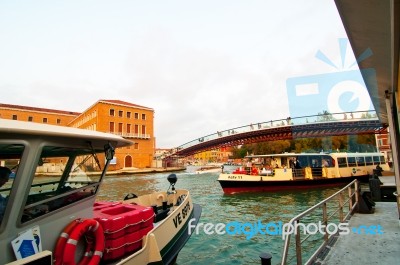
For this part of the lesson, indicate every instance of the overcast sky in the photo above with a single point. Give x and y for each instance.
(203, 66)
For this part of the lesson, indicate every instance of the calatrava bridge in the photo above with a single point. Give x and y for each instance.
(345, 123)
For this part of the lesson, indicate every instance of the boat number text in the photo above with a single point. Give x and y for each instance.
(234, 177)
(178, 219)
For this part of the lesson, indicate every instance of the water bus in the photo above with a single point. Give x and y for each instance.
(301, 171)
(49, 213)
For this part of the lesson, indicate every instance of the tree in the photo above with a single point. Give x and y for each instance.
(325, 116)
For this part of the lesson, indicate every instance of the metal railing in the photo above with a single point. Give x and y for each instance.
(289, 121)
(352, 190)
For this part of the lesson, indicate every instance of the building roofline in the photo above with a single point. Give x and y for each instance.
(35, 109)
(111, 102)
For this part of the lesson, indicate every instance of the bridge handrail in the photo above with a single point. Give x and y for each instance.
(320, 118)
(352, 200)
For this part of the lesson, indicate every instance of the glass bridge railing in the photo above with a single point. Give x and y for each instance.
(325, 117)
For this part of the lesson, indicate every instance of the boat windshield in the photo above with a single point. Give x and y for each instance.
(60, 177)
(63, 176)
(10, 155)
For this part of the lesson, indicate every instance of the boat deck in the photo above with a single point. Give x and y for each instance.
(368, 248)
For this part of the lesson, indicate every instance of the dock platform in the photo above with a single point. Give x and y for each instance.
(365, 247)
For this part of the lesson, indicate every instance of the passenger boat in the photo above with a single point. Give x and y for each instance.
(49, 213)
(209, 169)
(301, 171)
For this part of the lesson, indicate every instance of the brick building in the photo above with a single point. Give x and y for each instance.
(128, 120)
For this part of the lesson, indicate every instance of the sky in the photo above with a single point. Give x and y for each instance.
(203, 66)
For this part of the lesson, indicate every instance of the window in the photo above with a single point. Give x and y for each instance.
(136, 129)
(376, 160)
(351, 161)
(128, 114)
(120, 113)
(342, 162)
(111, 127)
(54, 192)
(58, 121)
(44, 120)
(112, 112)
(128, 128)
(360, 161)
(14, 117)
(136, 116)
(143, 116)
(30, 118)
(136, 146)
(143, 129)
(120, 127)
(368, 160)
(10, 156)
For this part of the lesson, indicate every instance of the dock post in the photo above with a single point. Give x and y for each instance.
(265, 258)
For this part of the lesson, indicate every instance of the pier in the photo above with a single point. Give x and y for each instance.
(368, 248)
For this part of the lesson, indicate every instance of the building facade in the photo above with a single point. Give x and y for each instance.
(39, 115)
(128, 120)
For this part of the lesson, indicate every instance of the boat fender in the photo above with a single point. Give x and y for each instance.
(87, 227)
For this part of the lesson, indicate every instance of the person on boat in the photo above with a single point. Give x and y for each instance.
(4, 177)
(254, 170)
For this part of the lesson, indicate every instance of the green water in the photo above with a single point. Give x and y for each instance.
(220, 208)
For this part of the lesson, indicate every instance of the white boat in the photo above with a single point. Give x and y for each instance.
(209, 169)
(301, 171)
(51, 216)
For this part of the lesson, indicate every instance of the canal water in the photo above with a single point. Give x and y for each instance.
(228, 248)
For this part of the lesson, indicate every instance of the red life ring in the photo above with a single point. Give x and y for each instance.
(62, 240)
(68, 245)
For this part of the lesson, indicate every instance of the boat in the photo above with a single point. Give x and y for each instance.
(209, 169)
(49, 213)
(287, 171)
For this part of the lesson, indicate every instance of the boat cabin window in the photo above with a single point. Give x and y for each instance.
(351, 161)
(360, 161)
(315, 161)
(10, 155)
(377, 160)
(342, 162)
(368, 161)
(63, 176)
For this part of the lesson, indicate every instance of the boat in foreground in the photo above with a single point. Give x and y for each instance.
(49, 213)
(301, 171)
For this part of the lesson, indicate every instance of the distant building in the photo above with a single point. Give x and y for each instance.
(128, 120)
(220, 155)
(384, 146)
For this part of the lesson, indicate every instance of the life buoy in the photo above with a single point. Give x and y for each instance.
(62, 240)
(66, 245)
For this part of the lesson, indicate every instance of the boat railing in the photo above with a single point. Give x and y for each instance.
(345, 196)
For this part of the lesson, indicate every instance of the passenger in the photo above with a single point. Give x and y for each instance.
(4, 177)
(254, 170)
(264, 172)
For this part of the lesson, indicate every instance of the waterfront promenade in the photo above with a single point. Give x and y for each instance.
(367, 248)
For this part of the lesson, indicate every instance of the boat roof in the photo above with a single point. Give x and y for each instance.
(13, 127)
(312, 154)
